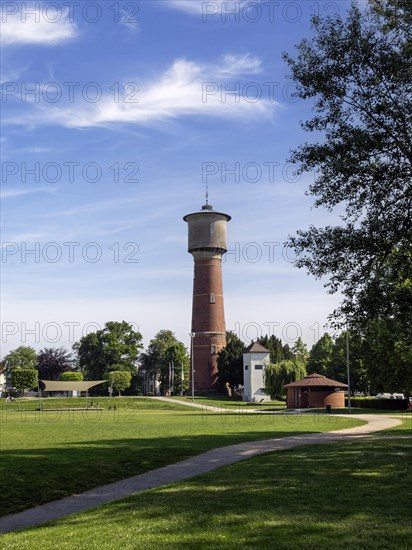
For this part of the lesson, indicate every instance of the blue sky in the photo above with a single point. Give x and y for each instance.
(115, 115)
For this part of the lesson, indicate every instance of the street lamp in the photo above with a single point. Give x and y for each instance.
(347, 366)
(192, 360)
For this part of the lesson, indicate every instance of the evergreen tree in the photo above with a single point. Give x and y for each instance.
(275, 346)
(300, 351)
(230, 361)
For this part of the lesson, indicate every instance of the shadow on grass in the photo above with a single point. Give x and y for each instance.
(338, 496)
(38, 475)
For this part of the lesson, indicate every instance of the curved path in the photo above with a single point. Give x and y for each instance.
(223, 408)
(185, 469)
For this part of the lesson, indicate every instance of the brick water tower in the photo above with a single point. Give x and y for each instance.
(207, 244)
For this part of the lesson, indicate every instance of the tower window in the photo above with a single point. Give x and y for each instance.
(246, 367)
(213, 350)
(258, 367)
(212, 298)
(212, 228)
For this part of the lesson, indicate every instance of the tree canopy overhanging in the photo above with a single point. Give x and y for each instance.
(358, 71)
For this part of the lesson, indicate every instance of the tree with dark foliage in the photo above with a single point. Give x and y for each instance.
(230, 361)
(52, 362)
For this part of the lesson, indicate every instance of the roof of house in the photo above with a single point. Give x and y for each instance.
(315, 380)
(256, 348)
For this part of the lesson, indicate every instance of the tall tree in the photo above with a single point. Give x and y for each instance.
(300, 351)
(288, 353)
(337, 369)
(275, 346)
(52, 362)
(230, 361)
(320, 355)
(115, 347)
(358, 72)
(178, 359)
(23, 357)
(164, 357)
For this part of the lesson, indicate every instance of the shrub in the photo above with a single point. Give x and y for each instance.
(378, 403)
(24, 378)
(71, 376)
(119, 379)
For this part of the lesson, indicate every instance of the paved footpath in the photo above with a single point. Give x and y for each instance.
(231, 408)
(224, 408)
(185, 469)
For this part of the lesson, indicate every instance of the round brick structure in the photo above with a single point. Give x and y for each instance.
(315, 391)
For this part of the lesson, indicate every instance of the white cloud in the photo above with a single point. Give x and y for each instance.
(186, 88)
(10, 193)
(207, 7)
(237, 64)
(39, 27)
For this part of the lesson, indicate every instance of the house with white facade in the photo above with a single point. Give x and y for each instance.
(255, 359)
(2, 380)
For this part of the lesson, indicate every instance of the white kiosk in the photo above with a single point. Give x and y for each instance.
(255, 359)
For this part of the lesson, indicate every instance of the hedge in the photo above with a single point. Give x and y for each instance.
(378, 403)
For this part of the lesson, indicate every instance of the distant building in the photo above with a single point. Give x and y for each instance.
(150, 384)
(2, 380)
(315, 391)
(255, 359)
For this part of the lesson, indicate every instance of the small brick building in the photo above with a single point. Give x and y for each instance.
(315, 391)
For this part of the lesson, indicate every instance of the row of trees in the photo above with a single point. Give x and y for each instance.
(327, 357)
(286, 364)
(24, 366)
(113, 353)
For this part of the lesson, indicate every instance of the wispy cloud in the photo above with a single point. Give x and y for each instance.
(129, 19)
(186, 88)
(233, 65)
(11, 193)
(201, 6)
(34, 28)
(9, 75)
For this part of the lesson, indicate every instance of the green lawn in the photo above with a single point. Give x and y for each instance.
(132, 404)
(338, 496)
(46, 455)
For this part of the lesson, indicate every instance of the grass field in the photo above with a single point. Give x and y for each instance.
(338, 496)
(46, 455)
